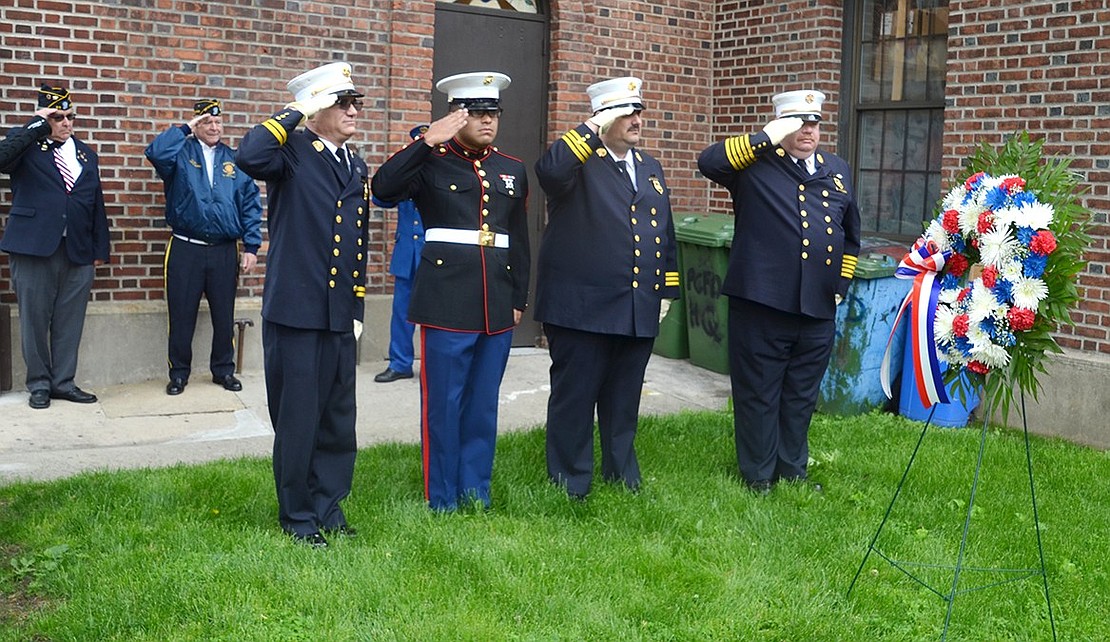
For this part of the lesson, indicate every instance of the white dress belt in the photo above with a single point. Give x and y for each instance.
(466, 237)
(189, 240)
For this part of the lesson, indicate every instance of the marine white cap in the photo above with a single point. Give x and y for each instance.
(474, 89)
(332, 78)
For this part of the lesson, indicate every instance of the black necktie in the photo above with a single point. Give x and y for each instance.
(623, 165)
(802, 166)
(341, 156)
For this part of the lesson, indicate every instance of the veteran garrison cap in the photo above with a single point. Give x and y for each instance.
(54, 97)
(210, 106)
(804, 104)
(475, 90)
(617, 92)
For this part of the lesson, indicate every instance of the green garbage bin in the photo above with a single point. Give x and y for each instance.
(703, 243)
(673, 340)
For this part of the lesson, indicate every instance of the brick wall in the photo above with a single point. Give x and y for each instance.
(709, 68)
(668, 45)
(763, 48)
(135, 68)
(1060, 92)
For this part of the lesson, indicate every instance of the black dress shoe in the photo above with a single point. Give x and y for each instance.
(229, 382)
(761, 486)
(39, 399)
(76, 395)
(312, 540)
(176, 386)
(342, 531)
(389, 374)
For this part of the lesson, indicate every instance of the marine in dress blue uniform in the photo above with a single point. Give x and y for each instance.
(57, 232)
(471, 287)
(317, 199)
(408, 241)
(210, 206)
(794, 252)
(607, 261)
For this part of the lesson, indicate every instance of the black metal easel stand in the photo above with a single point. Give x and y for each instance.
(955, 590)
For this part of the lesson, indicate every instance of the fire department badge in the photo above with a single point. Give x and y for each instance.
(229, 169)
(654, 180)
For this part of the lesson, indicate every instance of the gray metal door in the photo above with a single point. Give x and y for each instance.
(470, 39)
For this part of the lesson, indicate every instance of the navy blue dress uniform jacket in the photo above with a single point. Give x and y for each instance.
(19, 138)
(469, 288)
(227, 209)
(608, 255)
(797, 237)
(316, 262)
(39, 217)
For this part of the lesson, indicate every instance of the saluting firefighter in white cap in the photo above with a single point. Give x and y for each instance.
(794, 251)
(607, 263)
(472, 284)
(312, 306)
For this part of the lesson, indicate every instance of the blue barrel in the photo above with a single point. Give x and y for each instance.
(951, 415)
(851, 385)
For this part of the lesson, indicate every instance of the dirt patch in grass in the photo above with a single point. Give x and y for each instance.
(17, 603)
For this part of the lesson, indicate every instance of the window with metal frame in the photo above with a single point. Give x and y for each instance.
(899, 112)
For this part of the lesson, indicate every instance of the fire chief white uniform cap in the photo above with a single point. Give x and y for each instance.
(332, 78)
(618, 92)
(804, 104)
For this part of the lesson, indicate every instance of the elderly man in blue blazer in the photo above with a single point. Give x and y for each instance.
(57, 232)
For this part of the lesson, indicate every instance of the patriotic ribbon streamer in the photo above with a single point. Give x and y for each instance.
(922, 263)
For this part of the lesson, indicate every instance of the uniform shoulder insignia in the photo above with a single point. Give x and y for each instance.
(639, 158)
(601, 152)
(780, 152)
(317, 145)
(820, 158)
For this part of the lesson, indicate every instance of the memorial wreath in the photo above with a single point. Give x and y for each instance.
(995, 275)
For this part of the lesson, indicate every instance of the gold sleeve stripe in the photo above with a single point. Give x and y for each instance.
(848, 266)
(578, 145)
(671, 279)
(739, 152)
(277, 130)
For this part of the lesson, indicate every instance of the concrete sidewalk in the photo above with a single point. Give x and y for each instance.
(138, 425)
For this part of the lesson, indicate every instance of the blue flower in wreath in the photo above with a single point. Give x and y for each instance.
(958, 244)
(1033, 266)
(1024, 198)
(963, 346)
(1003, 291)
(1025, 235)
(949, 282)
(996, 198)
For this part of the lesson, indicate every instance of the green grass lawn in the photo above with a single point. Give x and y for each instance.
(194, 552)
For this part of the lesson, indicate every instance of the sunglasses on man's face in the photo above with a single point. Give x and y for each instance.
(347, 103)
(60, 117)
